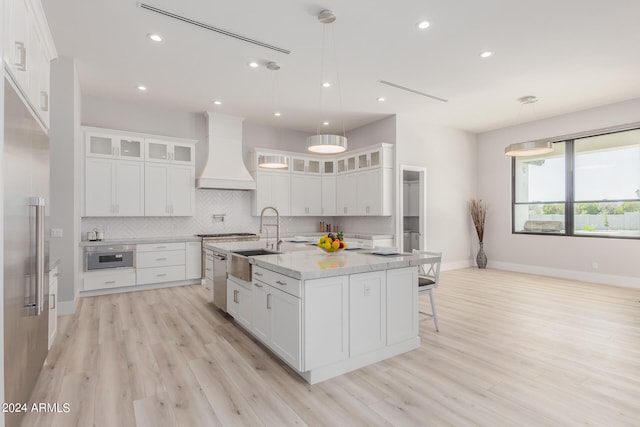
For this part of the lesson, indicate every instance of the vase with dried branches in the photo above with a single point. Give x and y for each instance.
(478, 210)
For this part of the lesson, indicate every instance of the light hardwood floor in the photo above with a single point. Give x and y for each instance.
(513, 350)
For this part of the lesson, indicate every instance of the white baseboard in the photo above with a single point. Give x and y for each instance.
(605, 279)
(457, 265)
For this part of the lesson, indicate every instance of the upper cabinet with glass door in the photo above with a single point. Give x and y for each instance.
(382, 156)
(169, 152)
(305, 164)
(112, 146)
(328, 166)
(347, 163)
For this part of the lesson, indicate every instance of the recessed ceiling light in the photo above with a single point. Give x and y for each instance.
(326, 84)
(486, 54)
(254, 64)
(423, 24)
(325, 123)
(142, 88)
(155, 37)
(277, 114)
(216, 102)
(381, 99)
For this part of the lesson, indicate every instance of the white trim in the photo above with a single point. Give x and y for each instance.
(605, 279)
(457, 265)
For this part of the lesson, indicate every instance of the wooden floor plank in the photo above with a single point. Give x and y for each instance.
(513, 349)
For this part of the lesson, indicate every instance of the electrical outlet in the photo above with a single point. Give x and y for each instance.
(594, 265)
(56, 232)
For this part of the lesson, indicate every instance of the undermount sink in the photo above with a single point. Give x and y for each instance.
(239, 266)
(256, 252)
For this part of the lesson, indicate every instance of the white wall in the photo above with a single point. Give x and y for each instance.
(450, 158)
(2, 223)
(569, 257)
(66, 149)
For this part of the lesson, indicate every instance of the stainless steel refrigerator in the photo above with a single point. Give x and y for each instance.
(26, 247)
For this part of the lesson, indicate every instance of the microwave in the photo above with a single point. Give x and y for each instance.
(109, 256)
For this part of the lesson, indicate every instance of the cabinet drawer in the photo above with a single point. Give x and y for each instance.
(279, 281)
(160, 274)
(160, 258)
(109, 279)
(148, 247)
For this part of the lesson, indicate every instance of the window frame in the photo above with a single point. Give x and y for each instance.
(569, 202)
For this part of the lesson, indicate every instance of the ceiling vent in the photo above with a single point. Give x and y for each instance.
(211, 28)
(408, 89)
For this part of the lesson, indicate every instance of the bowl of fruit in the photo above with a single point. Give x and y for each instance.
(332, 242)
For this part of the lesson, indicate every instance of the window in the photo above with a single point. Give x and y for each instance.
(587, 187)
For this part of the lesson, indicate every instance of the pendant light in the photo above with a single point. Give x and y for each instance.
(530, 148)
(273, 161)
(327, 143)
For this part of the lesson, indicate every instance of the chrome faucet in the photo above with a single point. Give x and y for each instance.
(276, 225)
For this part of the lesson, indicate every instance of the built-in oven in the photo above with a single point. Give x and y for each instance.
(109, 256)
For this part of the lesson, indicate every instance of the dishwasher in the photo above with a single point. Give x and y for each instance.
(219, 292)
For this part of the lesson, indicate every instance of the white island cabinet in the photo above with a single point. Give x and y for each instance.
(328, 315)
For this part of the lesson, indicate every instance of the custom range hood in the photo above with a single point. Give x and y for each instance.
(225, 167)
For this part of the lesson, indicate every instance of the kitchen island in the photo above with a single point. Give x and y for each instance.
(328, 314)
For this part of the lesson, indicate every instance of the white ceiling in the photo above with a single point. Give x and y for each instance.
(571, 54)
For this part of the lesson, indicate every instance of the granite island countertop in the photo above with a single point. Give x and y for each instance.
(315, 263)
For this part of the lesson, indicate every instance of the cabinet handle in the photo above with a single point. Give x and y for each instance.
(268, 301)
(281, 283)
(161, 259)
(257, 284)
(44, 101)
(161, 247)
(207, 269)
(257, 274)
(110, 282)
(235, 297)
(22, 54)
(53, 299)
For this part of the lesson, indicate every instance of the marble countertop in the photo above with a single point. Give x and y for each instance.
(315, 263)
(159, 239)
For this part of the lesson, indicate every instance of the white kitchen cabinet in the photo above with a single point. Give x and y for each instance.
(239, 304)
(326, 319)
(367, 312)
(114, 146)
(305, 164)
(108, 279)
(272, 189)
(329, 206)
(161, 151)
(286, 315)
(402, 318)
(193, 260)
(328, 166)
(276, 314)
(346, 193)
(113, 188)
(160, 263)
(306, 195)
(261, 311)
(374, 191)
(169, 190)
(28, 51)
(53, 304)
(208, 273)
(347, 163)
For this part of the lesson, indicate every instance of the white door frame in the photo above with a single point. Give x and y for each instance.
(422, 177)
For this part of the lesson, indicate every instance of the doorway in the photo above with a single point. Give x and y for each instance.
(411, 224)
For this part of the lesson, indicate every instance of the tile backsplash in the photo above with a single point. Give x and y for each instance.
(236, 206)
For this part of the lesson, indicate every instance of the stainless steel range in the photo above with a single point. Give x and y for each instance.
(219, 264)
